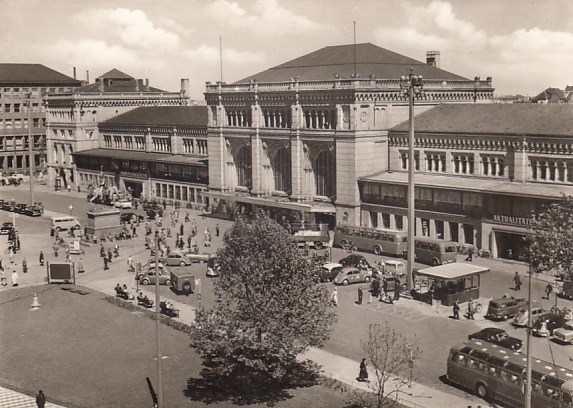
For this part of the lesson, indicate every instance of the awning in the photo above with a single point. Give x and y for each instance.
(270, 201)
(195, 160)
(452, 271)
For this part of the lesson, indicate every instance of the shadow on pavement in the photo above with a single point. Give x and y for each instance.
(248, 388)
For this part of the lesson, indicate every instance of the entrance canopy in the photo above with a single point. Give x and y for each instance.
(452, 271)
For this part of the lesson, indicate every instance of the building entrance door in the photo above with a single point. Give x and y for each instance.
(509, 245)
(135, 188)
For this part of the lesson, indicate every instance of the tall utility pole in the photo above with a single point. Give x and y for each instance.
(528, 351)
(30, 146)
(412, 87)
(157, 328)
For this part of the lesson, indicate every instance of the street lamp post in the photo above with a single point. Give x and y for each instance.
(30, 146)
(412, 87)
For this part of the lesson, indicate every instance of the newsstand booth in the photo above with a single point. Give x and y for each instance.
(453, 281)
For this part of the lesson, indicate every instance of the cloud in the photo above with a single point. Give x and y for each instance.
(80, 52)
(266, 16)
(210, 55)
(131, 27)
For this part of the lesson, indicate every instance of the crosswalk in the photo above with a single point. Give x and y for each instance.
(14, 399)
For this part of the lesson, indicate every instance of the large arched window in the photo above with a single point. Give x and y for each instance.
(243, 161)
(282, 170)
(325, 174)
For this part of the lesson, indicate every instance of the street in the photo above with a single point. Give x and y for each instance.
(431, 326)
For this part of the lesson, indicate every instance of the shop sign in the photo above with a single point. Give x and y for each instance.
(133, 175)
(507, 219)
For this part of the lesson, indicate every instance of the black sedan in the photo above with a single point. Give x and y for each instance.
(20, 208)
(356, 261)
(499, 337)
(6, 228)
(129, 216)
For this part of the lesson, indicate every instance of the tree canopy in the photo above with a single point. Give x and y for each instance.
(551, 245)
(268, 306)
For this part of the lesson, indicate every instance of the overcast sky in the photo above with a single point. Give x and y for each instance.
(525, 45)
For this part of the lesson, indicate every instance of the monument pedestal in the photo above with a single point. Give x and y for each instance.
(102, 222)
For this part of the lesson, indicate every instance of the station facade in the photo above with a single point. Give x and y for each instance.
(480, 173)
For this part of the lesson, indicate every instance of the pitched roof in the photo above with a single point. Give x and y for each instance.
(37, 74)
(115, 74)
(339, 60)
(162, 116)
(123, 85)
(551, 95)
(494, 119)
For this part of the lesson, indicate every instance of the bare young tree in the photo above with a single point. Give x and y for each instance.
(391, 358)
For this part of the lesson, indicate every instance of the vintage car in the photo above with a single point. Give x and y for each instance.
(6, 228)
(33, 211)
(328, 271)
(564, 334)
(546, 324)
(499, 337)
(505, 307)
(520, 319)
(352, 275)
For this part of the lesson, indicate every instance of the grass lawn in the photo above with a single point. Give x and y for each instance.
(85, 352)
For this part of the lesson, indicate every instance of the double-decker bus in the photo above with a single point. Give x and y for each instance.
(496, 373)
(433, 251)
(379, 241)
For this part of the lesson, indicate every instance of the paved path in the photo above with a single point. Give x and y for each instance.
(14, 399)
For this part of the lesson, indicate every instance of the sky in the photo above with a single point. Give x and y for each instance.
(525, 45)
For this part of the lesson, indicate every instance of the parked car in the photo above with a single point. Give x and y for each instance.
(8, 205)
(177, 258)
(200, 257)
(328, 271)
(149, 278)
(19, 208)
(123, 203)
(505, 307)
(396, 268)
(356, 261)
(520, 319)
(499, 337)
(33, 211)
(564, 334)
(351, 275)
(150, 267)
(6, 228)
(547, 323)
(152, 211)
(129, 216)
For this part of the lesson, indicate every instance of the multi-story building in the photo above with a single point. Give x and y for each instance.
(151, 152)
(73, 118)
(22, 112)
(481, 170)
(297, 137)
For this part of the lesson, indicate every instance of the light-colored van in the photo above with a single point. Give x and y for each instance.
(64, 223)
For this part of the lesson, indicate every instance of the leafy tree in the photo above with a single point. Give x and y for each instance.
(268, 307)
(391, 358)
(551, 245)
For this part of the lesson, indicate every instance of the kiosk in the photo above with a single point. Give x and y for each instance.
(450, 282)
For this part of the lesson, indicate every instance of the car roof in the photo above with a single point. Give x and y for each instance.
(393, 262)
(350, 268)
(331, 265)
(492, 330)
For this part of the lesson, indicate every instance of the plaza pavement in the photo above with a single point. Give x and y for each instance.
(343, 369)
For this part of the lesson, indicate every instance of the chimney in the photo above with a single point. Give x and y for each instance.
(88, 77)
(74, 72)
(147, 84)
(100, 85)
(185, 87)
(433, 58)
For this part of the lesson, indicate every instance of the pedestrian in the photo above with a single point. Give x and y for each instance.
(41, 258)
(81, 266)
(130, 264)
(189, 238)
(105, 262)
(359, 295)
(56, 249)
(109, 255)
(3, 277)
(181, 229)
(187, 216)
(134, 231)
(376, 288)
(24, 266)
(41, 399)
(470, 254)
(116, 250)
(363, 374)
(397, 291)
(470, 310)
(334, 297)
(204, 212)
(457, 309)
(217, 230)
(517, 281)
(548, 290)
(1, 266)
(102, 251)
(14, 277)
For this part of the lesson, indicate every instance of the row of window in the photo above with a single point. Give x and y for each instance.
(462, 163)
(178, 192)
(8, 143)
(282, 118)
(21, 123)
(19, 162)
(22, 92)
(190, 146)
(19, 107)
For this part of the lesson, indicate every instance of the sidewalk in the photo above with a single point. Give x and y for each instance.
(13, 399)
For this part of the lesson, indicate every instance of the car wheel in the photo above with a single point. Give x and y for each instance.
(345, 282)
(404, 287)
(58, 229)
(318, 245)
(481, 390)
(145, 282)
(367, 279)
(182, 263)
(378, 250)
(168, 282)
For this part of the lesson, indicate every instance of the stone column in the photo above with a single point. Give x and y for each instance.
(447, 233)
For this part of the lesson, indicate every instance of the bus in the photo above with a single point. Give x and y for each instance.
(433, 251)
(496, 373)
(379, 241)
